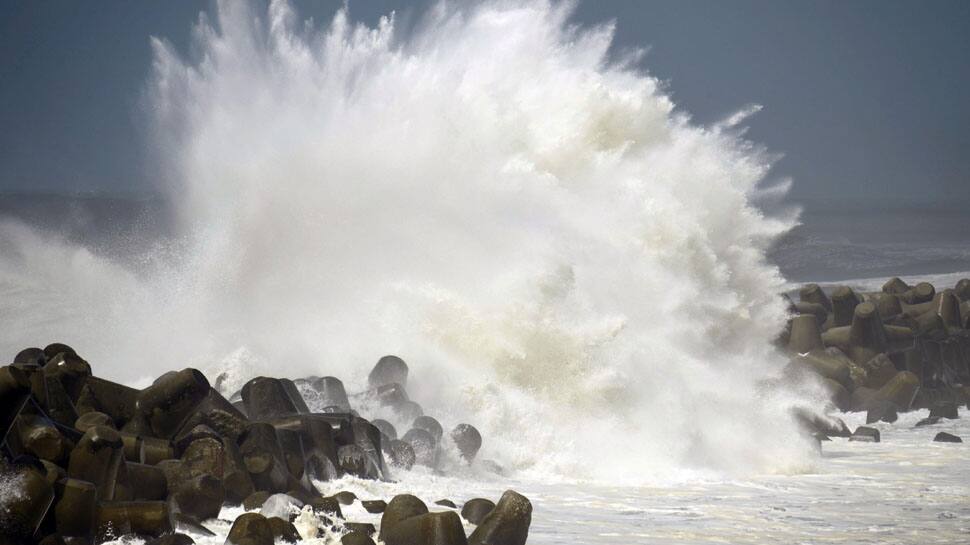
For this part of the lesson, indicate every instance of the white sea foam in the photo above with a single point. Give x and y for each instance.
(564, 260)
(11, 490)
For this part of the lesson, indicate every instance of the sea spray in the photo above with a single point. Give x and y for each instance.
(564, 260)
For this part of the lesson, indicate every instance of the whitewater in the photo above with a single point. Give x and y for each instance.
(564, 259)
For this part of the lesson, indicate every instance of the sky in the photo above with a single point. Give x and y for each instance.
(867, 101)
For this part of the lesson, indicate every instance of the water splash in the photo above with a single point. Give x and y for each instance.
(564, 260)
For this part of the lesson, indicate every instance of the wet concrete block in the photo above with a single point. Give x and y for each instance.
(103, 396)
(149, 482)
(97, 458)
(169, 401)
(429, 529)
(508, 523)
(266, 398)
(76, 510)
(388, 370)
(147, 518)
(475, 510)
(400, 508)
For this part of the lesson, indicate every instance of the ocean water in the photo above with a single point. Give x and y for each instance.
(564, 260)
(834, 243)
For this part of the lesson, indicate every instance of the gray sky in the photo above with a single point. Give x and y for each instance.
(869, 101)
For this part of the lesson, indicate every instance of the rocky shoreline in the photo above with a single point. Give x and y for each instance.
(899, 349)
(86, 460)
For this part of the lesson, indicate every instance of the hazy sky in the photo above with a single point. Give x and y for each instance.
(869, 101)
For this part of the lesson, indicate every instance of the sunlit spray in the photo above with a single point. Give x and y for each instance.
(564, 260)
